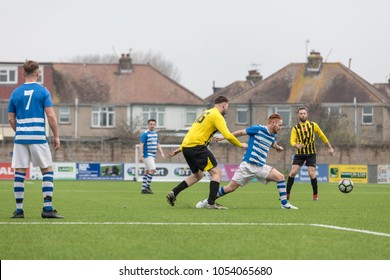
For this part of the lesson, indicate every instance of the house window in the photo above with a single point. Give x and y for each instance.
(8, 75)
(156, 113)
(285, 113)
(64, 114)
(103, 116)
(334, 110)
(242, 115)
(368, 115)
(190, 116)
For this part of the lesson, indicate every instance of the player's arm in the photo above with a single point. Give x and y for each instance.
(293, 139)
(175, 152)
(220, 124)
(141, 151)
(277, 147)
(323, 137)
(160, 150)
(52, 119)
(236, 133)
(12, 120)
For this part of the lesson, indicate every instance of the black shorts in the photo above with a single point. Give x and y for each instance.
(300, 159)
(199, 158)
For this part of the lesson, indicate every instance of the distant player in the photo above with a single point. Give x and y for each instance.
(303, 140)
(254, 162)
(148, 147)
(27, 107)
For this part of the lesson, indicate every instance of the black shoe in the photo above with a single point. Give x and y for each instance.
(146, 191)
(16, 215)
(51, 214)
(171, 198)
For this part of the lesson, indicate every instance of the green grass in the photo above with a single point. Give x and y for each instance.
(113, 221)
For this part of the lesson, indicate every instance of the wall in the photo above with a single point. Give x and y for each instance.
(116, 151)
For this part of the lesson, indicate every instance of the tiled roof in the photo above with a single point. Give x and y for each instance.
(103, 83)
(230, 91)
(384, 88)
(334, 83)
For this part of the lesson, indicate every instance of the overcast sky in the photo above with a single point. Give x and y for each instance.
(206, 40)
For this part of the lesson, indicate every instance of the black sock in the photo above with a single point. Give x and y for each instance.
(182, 186)
(214, 186)
(290, 183)
(314, 185)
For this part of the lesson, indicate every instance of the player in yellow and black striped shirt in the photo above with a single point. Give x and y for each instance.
(303, 139)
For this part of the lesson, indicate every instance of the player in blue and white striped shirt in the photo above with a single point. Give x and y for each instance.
(148, 147)
(254, 162)
(27, 107)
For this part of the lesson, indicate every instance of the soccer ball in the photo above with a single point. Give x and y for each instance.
(345, 185)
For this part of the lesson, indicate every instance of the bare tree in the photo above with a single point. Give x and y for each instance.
(156, 60)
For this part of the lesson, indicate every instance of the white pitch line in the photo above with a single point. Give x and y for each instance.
(352, 229)
(198, 224)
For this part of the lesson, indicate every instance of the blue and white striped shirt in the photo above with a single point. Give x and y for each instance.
(259, 143)
(28, 102)
(150, 140)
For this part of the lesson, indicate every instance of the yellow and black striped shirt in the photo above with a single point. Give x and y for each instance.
(304, 133)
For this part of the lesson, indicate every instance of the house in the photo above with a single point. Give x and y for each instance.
(95, 98)
(335, 87)
(92, 99)
(98, 102)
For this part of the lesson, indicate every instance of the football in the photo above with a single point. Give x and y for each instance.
(345, 185)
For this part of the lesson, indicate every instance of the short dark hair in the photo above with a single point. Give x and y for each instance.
(302, 108)
(220, 99)
(30, 67)
(151, 120)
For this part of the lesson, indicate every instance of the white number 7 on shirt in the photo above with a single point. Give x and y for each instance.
(30, 94)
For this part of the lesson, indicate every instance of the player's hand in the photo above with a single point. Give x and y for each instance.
(173, 153)
(299, 146)
(141, 159)
(279, 149)
(219, 138)
(57, 143)
(331, 151)
(244, 145)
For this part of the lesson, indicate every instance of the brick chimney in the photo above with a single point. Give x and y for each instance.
(125, 64)
(254, 77)
(314, 62)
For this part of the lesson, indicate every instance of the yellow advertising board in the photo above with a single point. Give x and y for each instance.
(357, 173)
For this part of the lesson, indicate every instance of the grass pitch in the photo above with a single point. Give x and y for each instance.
(113, 221)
